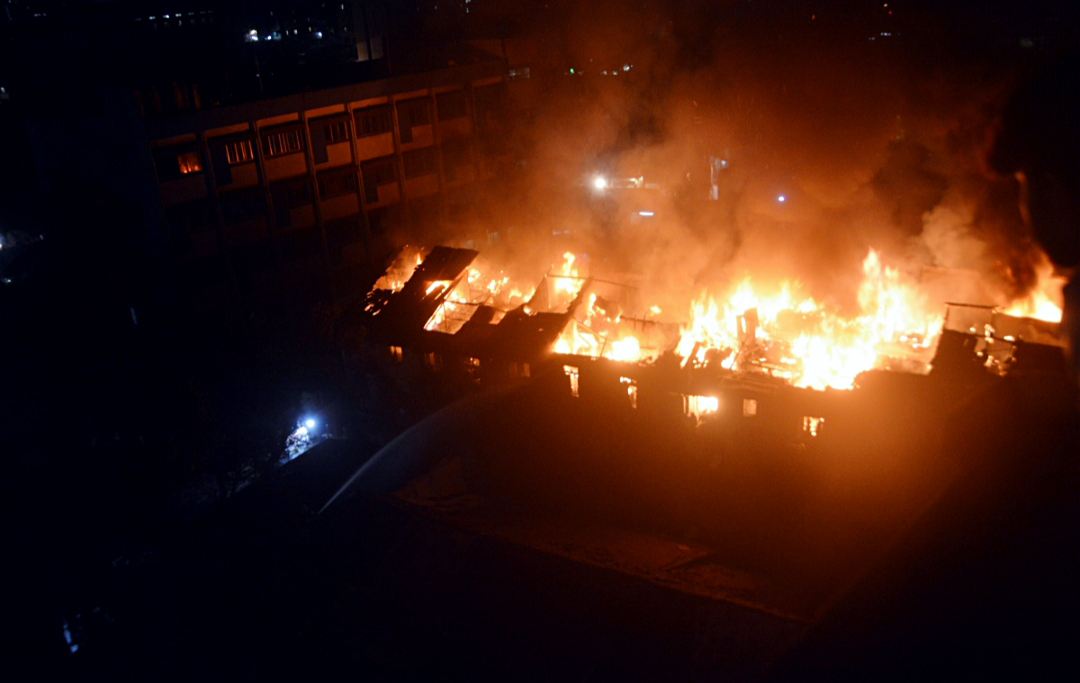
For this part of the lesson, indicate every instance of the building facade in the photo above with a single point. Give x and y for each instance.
(271, 193)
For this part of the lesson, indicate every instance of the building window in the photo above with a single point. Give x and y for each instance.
(192, 218)
(419, 162)
(298, 195)
(813, 425)
(456, 154)
(416, 112)
(413, 113)
(572, 372)
(239, 152)
(337, 184)
(452, 105)
(336, 131)
(177, 161)
(292, 194)
(343, 232)
(631, 390)
(189, 162)
(237, 207)
(281, 142)
(490, 104)
(374, 121)
(377, 172)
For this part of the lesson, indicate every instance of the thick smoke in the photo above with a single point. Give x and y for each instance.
(869, 145)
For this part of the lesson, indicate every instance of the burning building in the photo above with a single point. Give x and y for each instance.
(445, 301)
(768, 425)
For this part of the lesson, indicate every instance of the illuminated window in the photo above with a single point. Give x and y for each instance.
(337, 131)
(396, 353)
(281, 142)
(749, 407)
(239, 152)
(572, 373)
(813, 425)
(374, 121)
(631, 390)
(699, 406)
(177, 161)
(189, 162)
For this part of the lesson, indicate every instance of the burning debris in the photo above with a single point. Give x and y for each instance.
(446, 301)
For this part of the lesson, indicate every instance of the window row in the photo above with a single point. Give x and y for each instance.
(280, 142)
(177, 161)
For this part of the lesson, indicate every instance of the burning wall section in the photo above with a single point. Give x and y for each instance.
(447, 300)
(717, 423)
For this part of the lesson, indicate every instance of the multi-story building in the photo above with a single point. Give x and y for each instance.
(237, 175)
(282, 190)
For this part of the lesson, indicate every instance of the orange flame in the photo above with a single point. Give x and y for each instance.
(1045, 300)
(802, 341)
(751, 328)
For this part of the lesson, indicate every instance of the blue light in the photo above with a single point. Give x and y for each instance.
(310, 423)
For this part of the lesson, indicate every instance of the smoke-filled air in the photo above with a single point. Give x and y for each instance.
(807, 205)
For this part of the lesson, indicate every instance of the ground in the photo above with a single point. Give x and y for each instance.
(264, 587)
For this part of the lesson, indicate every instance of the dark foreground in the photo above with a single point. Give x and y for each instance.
(426, 585)
(266, 589)
(574, 542)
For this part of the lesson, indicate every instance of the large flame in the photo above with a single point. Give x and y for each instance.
(402, 269)
(754, 327)
(800, 339)
(1045, 299)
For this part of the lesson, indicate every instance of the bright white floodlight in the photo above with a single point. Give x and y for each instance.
(599, 183)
